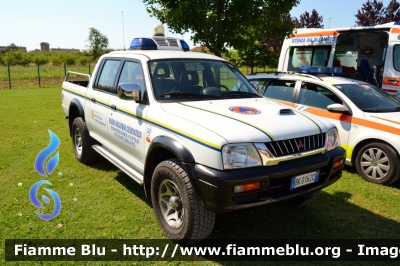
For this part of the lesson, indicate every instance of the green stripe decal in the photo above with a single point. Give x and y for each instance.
(191, 137)
(297, 111)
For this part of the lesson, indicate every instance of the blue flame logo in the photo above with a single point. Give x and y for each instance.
(45, 153)
(35, 201)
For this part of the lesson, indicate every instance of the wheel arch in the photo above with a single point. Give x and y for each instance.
(75, 110)
(364, 142)
(163, 148)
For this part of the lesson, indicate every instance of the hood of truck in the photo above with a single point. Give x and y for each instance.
(248, 120)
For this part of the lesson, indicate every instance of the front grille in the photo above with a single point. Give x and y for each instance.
(291, 146)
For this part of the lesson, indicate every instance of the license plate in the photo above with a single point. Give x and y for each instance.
(304, 179)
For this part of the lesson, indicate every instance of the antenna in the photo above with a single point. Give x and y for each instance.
(123, 29)
(329, 25)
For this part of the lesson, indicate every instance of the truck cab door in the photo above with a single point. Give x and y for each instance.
(98, 96)
(127, 118)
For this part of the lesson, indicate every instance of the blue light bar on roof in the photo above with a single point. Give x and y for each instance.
(320, 70)
(143, 44)
(397, 23)
(159, 43)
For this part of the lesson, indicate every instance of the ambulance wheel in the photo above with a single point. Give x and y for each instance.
(82, 142)
(304, 200)
(176, 205)
(378, 163)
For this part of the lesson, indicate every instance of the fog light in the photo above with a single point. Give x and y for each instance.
(247, 187)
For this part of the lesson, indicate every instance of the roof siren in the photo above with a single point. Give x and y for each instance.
(158, 30)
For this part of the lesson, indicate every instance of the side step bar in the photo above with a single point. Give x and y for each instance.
(118, 163)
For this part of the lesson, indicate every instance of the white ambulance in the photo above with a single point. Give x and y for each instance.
(371, 54)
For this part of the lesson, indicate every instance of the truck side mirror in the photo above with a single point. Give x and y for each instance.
(337, 108)
(127, 91)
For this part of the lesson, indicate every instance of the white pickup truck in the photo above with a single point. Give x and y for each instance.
(195, 133)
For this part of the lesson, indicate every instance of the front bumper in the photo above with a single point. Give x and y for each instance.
(216, 187)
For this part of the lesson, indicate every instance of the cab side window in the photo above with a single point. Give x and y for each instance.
(107, 76)
(132, 73)
(280, 90)
(317, 96)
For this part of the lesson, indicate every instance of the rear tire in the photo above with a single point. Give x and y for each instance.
(304, 200)
(378, 163)
(82, 143)
(176, 205)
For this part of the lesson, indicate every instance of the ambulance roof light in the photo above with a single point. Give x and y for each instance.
(320, 70)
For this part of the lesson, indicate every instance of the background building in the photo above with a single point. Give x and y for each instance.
(45, 46)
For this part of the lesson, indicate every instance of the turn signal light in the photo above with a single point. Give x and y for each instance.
(247, 187)
(337, 164)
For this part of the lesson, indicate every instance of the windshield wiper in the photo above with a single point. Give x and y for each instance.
(180, 93)
(240, 93)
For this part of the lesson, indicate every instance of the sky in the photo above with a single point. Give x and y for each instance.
(66, 24)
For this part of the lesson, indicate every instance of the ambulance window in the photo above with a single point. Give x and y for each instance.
(308, 56)
(396, 57)
(316, 96)
(320, 57)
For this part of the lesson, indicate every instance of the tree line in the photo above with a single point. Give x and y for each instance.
(247, 33)
(251, 32)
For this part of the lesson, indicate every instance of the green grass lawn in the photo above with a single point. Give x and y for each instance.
(102, 202)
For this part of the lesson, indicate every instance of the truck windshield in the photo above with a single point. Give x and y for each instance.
(190, 79)
(369, 98)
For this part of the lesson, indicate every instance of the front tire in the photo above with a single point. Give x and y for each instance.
(176, 205)
(378, 163)
(82, 142)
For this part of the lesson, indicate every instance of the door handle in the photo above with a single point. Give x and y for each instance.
(93, 100)
(113, 107)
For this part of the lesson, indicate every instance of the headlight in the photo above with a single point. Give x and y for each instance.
(332, 139)
(240, 156)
